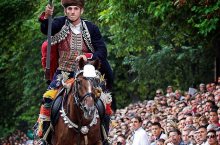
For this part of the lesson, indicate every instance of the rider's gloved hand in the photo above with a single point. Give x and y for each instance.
(81, 56)
(48, 11)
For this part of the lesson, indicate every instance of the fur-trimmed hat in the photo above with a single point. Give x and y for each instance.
(66, 3)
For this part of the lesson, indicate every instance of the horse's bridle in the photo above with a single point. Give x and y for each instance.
(79, 99)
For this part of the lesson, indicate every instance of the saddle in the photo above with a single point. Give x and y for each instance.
(56, 107)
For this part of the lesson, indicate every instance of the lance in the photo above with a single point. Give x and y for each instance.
(47, 72)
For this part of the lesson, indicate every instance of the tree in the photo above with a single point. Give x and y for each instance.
(161, 43)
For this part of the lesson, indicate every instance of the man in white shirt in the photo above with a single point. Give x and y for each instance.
(140, 136)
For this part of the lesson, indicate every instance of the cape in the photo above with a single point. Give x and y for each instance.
(54, 56)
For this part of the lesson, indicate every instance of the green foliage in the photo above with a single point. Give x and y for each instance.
(206, 17)
(159, 44)
(19, 62)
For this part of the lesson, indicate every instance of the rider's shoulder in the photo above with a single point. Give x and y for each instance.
(88, 22)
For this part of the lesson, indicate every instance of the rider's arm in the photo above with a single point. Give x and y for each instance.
(98, 43)
(57, 23)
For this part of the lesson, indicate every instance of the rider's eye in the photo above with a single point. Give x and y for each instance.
(69, 8)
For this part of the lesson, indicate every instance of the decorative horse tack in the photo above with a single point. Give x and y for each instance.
(70, 124)
(79, 121)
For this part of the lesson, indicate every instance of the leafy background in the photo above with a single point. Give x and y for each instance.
(151, 44)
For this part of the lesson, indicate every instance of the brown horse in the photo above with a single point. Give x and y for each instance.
(79, 122)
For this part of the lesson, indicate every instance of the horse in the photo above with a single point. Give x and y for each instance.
(79, 121)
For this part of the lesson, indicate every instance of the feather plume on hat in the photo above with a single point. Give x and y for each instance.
(66, 3)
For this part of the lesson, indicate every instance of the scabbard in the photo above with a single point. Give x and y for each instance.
(47, 72)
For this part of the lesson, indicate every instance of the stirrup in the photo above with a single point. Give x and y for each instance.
(35, 129)
(46, 129)
(42, 142)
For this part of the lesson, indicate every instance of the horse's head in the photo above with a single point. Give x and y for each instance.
(85, 87)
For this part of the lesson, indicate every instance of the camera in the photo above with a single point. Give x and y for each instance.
(119, 143)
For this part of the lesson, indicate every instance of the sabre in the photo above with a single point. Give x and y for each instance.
(47, 72)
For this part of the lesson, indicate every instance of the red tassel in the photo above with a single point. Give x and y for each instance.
(108, 109)
(45, 111)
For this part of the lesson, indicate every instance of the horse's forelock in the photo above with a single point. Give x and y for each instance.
(81, 63)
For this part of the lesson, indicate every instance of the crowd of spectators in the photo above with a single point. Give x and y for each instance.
(18, 138)
(171, 118)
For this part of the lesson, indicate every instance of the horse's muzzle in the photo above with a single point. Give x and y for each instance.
(89, 107)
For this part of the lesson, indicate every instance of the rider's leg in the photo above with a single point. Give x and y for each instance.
(45, 110)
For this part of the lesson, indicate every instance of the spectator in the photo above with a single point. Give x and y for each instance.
(187, 97)
(159, 92)
(155, 118)
(142, 115)
(160, 142)
(217, 100)
(174, 138)
(148, 127)
(198, 98)
(209, 88)
(170, 126)
(178, 95)
(189, 120)
(211, 97)
(218, 115)
(197, 138)
(185, 136)
(212, 138)
(213, 117)
(181, 124)
(121, 140)
(218, 134)
(202, 88)
(211, 127)
(157, 133)
(191, 137)
(140, 136)
(203, 121)
(144, 124)
(169, 91)
(209, 105)
(193, 104)
(202, 134)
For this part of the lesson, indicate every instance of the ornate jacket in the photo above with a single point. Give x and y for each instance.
(92, 39)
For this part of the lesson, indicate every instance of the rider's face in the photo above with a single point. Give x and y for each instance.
(73, 13)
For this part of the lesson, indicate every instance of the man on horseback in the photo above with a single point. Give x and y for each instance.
(72, 38)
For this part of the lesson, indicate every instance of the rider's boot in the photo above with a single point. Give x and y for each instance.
(43, 121)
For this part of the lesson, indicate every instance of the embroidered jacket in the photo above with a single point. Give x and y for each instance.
(91, 37)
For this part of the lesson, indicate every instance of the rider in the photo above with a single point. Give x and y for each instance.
(72, 38)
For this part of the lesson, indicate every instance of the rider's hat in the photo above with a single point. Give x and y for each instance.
(66, 3)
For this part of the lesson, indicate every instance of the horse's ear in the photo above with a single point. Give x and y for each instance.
(81, 63)
(97, 64)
